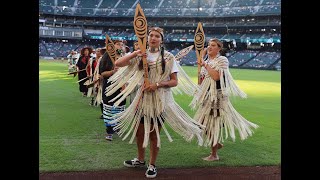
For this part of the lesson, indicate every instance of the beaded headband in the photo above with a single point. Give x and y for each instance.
(159, 30)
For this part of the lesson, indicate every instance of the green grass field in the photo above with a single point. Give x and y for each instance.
(72, 135)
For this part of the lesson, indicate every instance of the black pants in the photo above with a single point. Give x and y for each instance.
(109, 130)
(82, 88)
(105, 98)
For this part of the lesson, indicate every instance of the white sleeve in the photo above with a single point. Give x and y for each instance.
(174, 67)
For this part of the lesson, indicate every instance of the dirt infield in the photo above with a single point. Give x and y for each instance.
(225, 173)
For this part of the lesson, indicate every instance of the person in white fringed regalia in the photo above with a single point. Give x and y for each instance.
(153, 105)
(214, 109)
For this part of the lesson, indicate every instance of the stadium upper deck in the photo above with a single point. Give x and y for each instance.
(161, 8)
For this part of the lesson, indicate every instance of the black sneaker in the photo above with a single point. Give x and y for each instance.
(134, 163)
(151, 171)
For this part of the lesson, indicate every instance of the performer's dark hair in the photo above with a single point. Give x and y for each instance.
(140, 62)
(103, 50)
(87, 47)
(163, 62)
(223, 51)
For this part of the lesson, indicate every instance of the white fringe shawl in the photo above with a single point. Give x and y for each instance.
(220, 64)
(220, 127)
(99, 85)
(151, 105)
(185, 84)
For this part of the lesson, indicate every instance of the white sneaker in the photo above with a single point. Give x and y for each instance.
(151, 171)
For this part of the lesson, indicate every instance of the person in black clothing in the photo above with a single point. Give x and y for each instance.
(82, 64)
(107, 69)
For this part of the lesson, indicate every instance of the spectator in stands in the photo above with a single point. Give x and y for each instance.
(215, 111)
(154, 104)
(107, 69)
(82, 64)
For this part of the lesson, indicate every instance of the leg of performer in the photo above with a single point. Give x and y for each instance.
(110, 132)
(153, 147)
(152, 170)
(101, 107)
(139, 161)
(214, 153)
(140, 138)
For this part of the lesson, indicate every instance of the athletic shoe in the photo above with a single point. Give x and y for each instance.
(109, 137)
(134, 163)
(151, 171)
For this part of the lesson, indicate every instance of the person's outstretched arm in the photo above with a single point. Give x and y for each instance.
(125, 60)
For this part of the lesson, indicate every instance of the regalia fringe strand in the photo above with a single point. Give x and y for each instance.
(215, 110)
(185, 84)
(152, 106)
(98, 85)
